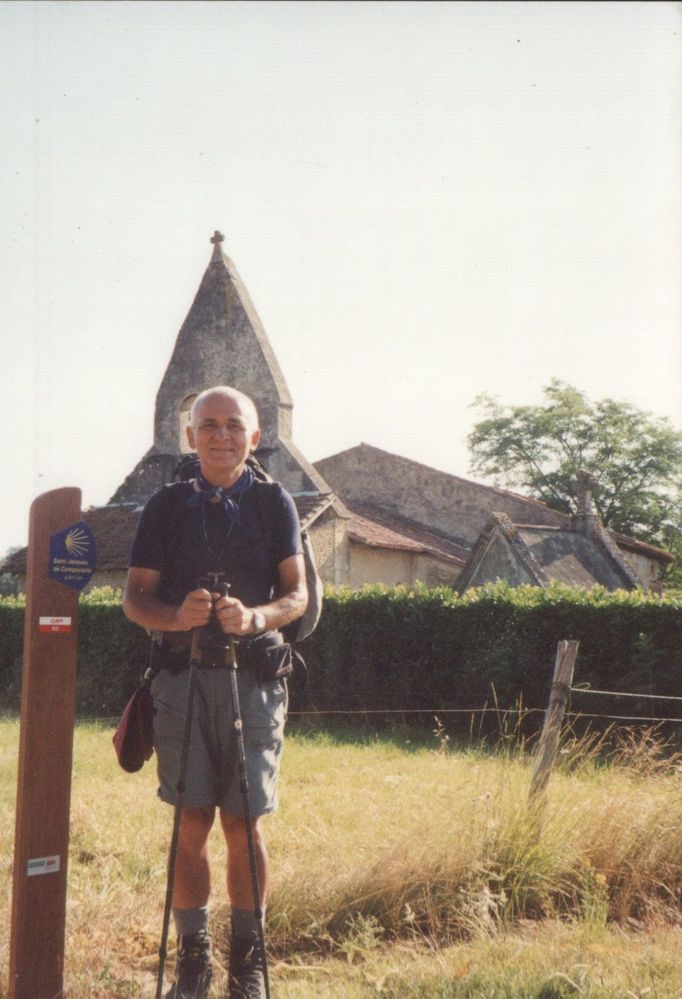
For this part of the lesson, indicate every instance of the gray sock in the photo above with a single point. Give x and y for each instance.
(189, 922)
(244, 922)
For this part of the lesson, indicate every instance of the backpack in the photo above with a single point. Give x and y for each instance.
(302, 627)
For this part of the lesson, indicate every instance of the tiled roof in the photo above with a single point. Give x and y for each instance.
(440, 485)
(367, 453)
(377, 528)
(633, 545)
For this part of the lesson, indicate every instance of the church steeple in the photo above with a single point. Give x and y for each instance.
(222, 341)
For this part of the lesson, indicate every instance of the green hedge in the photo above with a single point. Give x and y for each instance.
(112, 654)
(400, 649)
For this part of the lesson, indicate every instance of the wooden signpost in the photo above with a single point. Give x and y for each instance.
(60, 562)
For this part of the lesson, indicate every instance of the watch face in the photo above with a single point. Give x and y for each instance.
(258, 621)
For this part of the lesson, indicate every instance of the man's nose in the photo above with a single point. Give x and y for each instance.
(221, 432)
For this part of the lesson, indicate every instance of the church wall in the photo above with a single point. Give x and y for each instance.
(646, 568)
(289, 466)
(379, 565)
(332, 550)
(435, 573)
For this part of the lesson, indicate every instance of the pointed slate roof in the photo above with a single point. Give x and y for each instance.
(222, 341)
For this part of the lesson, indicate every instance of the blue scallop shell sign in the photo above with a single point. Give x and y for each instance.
(73, 556)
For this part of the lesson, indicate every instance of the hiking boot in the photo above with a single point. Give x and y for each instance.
(193, 971)
(246, 968)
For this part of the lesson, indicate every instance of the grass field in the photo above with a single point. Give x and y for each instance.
(401, 867)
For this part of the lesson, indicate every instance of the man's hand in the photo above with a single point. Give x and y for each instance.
(234, 618)
(195, 610)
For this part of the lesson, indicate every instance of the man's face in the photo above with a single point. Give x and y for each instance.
(223, 434)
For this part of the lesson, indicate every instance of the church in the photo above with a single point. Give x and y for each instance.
(371, 516)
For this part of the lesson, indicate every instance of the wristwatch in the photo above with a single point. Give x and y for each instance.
(257, 622)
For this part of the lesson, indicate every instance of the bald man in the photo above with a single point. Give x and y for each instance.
(225, 521)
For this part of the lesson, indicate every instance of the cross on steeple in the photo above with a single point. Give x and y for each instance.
(217, 238)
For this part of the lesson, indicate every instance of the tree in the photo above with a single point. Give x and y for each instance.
(635, 456)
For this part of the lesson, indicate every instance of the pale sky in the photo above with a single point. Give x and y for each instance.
(426, 201)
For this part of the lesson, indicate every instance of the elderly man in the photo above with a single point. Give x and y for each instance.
(230, 522)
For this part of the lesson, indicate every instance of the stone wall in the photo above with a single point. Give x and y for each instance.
(328, 536)
(646, 568)
(434, 573)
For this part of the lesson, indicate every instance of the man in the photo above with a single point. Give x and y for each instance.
(229, 522)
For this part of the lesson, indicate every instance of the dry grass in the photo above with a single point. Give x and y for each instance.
(398, 870)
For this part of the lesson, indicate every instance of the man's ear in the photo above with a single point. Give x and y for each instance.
(255, 439)
(190, 436)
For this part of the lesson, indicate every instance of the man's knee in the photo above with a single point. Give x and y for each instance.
(195, 825)
(235, 828)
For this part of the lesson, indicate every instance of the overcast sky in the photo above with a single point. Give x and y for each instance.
(426, 201)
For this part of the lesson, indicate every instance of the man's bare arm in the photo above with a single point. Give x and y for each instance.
(237, 619)
(142, 605)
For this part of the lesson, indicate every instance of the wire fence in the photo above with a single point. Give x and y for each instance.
(622, 693)
(415, 711)
(487, 709)
(113, 720)
(508, 711)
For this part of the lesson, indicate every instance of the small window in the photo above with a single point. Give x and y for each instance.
(185, 410)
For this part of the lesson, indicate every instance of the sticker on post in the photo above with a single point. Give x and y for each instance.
(42, 865)
(54, 625)
(72, 557)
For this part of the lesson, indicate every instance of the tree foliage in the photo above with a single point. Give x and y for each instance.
(636, 457)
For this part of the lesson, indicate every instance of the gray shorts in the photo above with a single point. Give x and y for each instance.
(212, 776)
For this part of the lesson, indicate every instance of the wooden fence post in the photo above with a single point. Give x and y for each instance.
(551, 730)
(60, 562)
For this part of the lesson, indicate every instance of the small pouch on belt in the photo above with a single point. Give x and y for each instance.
(274, 663)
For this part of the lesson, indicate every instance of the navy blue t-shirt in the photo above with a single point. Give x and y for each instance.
(185, 543)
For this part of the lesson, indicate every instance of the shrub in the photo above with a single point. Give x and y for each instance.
(399, 648)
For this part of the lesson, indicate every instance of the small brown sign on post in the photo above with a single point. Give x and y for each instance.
(60, 561)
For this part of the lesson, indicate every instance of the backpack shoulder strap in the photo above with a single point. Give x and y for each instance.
(172, 509)
(268, 491)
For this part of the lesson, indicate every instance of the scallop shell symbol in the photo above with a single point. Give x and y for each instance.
(76, 542)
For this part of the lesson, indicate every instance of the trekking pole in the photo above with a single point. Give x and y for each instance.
(231, 663)
(195, 659)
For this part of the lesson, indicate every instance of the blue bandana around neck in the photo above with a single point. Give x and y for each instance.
(205, 492)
